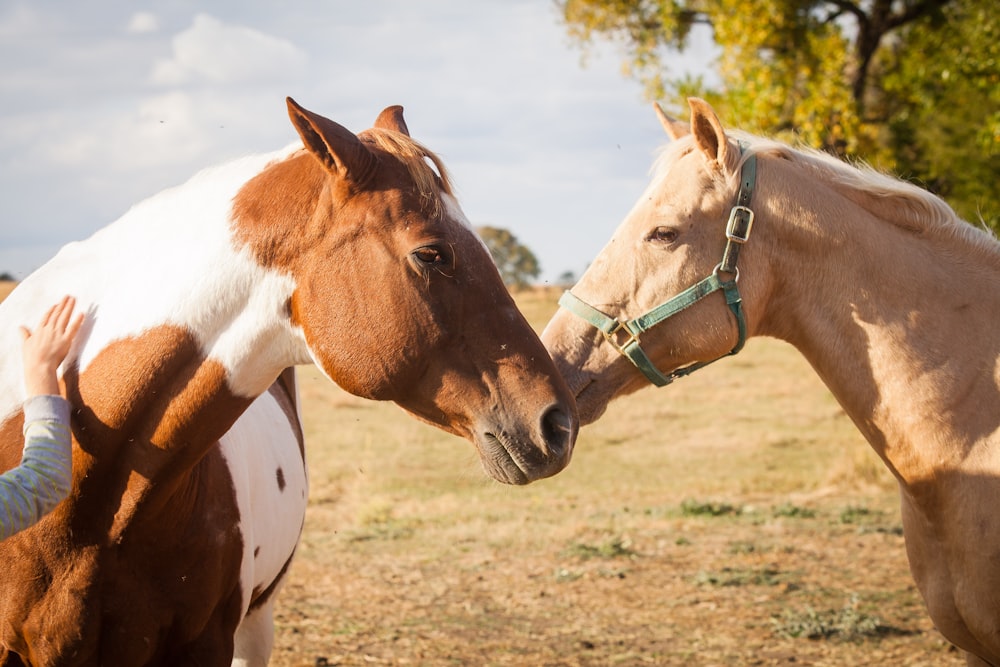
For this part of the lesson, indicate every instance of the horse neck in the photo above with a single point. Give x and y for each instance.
(172, 260)
(897, 322)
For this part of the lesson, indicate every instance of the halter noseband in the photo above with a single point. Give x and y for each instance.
(624, 334)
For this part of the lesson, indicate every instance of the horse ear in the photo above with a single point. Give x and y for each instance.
(675, 128)
(391, 118)
(709, 134)
(336, 147)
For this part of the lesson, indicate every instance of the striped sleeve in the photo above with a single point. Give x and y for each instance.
(44, 477)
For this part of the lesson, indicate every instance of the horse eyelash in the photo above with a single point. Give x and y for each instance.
(454, 263)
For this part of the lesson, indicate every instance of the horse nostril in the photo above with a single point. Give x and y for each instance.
(557, 431)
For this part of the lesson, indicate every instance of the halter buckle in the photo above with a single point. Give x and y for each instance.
(739, 225)
(612, 336)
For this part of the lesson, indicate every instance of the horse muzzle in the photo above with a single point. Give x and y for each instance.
(513, 455)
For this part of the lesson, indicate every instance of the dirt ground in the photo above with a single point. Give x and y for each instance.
(686, 591)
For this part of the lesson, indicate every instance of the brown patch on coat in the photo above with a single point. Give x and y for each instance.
(148, 546)
(11, 441)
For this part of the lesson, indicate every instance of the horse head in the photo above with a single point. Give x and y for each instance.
(674, 256)
(397, 299)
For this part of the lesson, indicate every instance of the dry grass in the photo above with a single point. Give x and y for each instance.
(723, 521)
(736, 518)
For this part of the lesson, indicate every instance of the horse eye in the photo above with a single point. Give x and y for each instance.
(663, 235)
(430, 256)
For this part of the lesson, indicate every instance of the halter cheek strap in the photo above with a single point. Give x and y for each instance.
(624, 334)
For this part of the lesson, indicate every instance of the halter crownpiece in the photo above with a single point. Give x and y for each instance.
(624, 334)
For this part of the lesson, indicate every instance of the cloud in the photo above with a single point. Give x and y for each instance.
(213, 52)
(142, 23)
(18, 20)
(116, 104)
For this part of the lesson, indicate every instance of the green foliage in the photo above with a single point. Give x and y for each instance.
(847, 623)
(613, 547)
(691, 507)
(793, 511)
(869, 521)
(729, 576)
(910, 86)
(856, 514)
(941, 88)
(518, 266)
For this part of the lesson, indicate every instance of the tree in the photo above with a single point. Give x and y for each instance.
(566, 279)
(517, 264)
(943, 113)
(908, 85)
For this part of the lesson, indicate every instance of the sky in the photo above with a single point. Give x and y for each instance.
(103, 104)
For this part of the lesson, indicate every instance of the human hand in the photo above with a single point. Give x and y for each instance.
(46, 347)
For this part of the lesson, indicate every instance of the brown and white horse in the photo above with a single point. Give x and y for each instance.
(892, 299)
(189, 481)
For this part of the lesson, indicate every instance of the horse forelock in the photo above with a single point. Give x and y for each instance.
(425, 168)
(672, 152)
(289, 188)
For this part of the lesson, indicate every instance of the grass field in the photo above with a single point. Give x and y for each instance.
(736, 518)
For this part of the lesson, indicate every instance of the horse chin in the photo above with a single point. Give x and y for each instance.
(499, 462)
(511, 459)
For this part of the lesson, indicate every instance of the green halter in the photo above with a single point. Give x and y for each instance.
(624, 334)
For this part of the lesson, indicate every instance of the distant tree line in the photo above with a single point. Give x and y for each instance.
(518, 266)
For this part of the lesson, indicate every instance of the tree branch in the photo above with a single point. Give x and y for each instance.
(850, 8)
(914, 12)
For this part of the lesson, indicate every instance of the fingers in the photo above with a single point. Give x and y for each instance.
(58, 317)
(57, 328)
(63, 313)
(47, 317)
(75, 325)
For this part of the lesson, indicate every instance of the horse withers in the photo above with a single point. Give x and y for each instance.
(891, 298)
(189, 481)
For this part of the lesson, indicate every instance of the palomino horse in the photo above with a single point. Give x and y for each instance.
(189, 485)
(891, 298)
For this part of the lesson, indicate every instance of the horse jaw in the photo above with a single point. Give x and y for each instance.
(591, 375)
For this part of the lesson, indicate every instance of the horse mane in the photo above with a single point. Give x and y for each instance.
(425, 168)
(889, 198)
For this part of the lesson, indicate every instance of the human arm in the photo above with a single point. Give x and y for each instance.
(44, 477)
